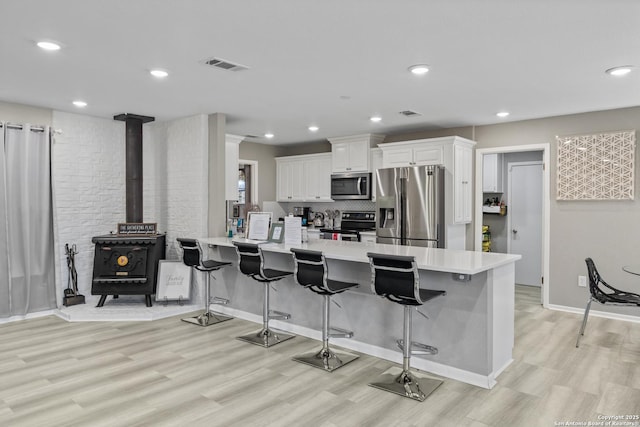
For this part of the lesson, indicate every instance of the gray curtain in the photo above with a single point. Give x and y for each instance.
(26, 222)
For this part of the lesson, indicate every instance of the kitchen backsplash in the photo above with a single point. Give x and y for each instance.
(281, 209)
(343, 205)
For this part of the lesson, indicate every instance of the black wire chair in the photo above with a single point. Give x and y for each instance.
(600, 291)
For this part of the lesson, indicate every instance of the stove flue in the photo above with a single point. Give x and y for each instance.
(127, 263)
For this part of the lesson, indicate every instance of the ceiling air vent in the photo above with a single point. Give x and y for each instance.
(224, 64)
(409, 113)
(251, 136)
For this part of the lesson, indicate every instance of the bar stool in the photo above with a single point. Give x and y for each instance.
(312, 273)
(192, 256)
(251, 263)
(396, 278)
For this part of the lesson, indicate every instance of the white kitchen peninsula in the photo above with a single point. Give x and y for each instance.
(472, 325)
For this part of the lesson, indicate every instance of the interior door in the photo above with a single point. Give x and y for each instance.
(525, 220)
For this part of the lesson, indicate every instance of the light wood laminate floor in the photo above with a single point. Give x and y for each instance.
(170, 373)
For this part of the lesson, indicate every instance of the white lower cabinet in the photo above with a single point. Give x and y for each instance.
(304, 178)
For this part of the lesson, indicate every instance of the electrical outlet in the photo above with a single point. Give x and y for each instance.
(582, 281)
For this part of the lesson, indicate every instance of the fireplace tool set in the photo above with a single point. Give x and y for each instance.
(71, 295)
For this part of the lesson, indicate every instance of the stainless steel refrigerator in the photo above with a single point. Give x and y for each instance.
(410, 206)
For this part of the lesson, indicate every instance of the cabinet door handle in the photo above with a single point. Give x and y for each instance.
(348, 169)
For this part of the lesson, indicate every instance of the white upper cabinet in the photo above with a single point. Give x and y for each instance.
(304, 178)
(289, 180)
(351, 153)
(462, 188)
(317, 173)
(407, 155)
(455, 154)
(492, 173)
(376, 163)
(231, 152)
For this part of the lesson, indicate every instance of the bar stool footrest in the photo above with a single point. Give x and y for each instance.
(207, 319)
(219, 300)
(326, 359)
(279, 315)
(406, 384)
(418, 348)
(265, 337)
(339, 333)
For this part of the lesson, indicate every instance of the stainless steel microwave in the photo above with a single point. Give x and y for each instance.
(351, 186)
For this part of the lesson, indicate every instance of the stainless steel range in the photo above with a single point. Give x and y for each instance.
(351, 224)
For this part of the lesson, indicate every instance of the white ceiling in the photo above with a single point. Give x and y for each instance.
(534, 58)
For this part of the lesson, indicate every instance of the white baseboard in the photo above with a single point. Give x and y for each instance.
(479, 380)
(28, 316)
(596, 313)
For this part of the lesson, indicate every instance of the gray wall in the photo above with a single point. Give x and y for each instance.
(300, 149)
(265, 156)
(22, 114)
(607, 231)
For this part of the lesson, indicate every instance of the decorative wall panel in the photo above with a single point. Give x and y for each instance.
(596, 167)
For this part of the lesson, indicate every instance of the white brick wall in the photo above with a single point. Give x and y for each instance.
(175, 178)
(89, 197)
(89, 184)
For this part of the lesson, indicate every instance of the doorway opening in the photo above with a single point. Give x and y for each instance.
(247, 192)
(494, 197)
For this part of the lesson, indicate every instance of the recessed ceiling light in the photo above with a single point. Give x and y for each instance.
(159, 73)
(375, 119)
(419, 69)
(502, 114)
(620, 71)
(48, 45)
(313, 128)
(269, 135)
(80, 104)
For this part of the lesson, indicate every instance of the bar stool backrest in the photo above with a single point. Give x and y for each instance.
(310, 269)
(250, 259)
(191, 252)
(395, 277)
(606, 293)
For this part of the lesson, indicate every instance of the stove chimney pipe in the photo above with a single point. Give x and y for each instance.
(133, 163)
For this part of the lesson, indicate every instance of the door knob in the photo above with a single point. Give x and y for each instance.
(514, 231)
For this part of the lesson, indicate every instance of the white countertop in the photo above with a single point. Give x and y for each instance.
(445, 260)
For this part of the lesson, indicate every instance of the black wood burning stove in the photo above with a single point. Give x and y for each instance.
(126, 264)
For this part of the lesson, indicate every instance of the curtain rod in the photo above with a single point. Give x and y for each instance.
(34, 129)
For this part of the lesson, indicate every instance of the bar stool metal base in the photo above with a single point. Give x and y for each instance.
(207, 319)
(406, 384)
(326, 359)
(265, 337)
